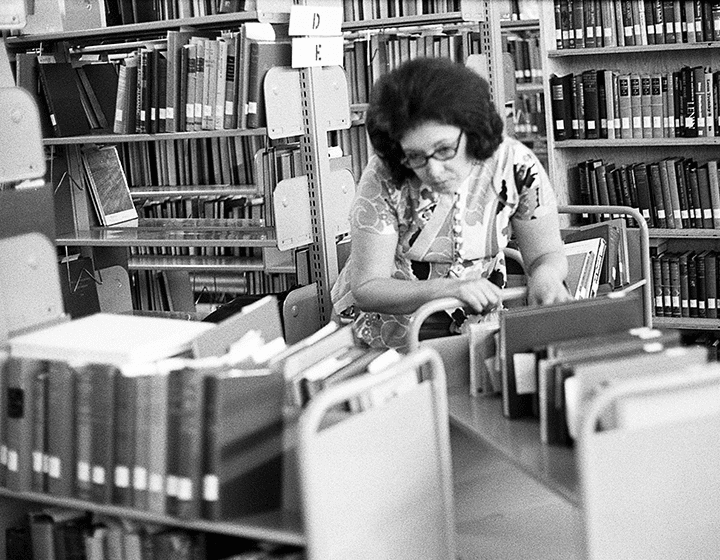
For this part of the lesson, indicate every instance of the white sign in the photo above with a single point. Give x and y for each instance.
(315, 20)
(317, 51)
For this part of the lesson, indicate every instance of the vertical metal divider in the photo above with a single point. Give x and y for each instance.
(314, 144)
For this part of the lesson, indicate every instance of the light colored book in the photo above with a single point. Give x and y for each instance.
(585, 262)
(108, 338)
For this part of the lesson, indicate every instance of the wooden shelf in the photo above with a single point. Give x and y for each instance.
(517, 440)
(249, 191)
(276, 526)
(690, 233)
(168, 237)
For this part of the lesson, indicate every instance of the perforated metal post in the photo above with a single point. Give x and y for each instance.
(314, 145)
(492, 45)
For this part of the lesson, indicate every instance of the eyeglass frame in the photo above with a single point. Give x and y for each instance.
(434, 155)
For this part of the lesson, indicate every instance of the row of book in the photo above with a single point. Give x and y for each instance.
(126, 12)
(685, 284)
(369, 55)
(525, 50)
(57, 532)
(198, 82)
(192, 162)
(675, 192)
(608, 104)
(529, 114)
(95, 412)
(356, 10)
(618, 23)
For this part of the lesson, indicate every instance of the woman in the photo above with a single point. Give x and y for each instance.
(437, 204)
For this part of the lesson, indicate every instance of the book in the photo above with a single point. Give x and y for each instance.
(124, 119)
(706, 203)
(645, 201)
(102, 430)
(108, 338)
(39, 430)
(58, 82)
(714, 183)
(83, 433)
(613, 231)
(625, 106)
(636, 129)
(61, 429)
(262, 55)
(561, 106)
(243, 447)
(124, 419)
(18, 374)
(711, 271)
(591, 100)
(101, 82)
(108, 185)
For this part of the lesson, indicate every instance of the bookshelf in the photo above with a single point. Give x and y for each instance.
(628, 148)
(521, 39)
(166, 170)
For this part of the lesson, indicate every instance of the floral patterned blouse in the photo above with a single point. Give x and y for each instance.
(510, 185)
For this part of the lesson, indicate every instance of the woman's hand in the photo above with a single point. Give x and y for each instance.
(478, 293)
(545, 286)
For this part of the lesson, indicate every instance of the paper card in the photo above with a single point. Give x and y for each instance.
(525, 381)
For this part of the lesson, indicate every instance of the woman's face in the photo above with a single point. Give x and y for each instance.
(441, 173)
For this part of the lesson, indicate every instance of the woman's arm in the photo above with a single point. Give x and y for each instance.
(544, 256)
(374, 288)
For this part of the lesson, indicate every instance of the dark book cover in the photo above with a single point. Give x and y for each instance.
(63, 99)
(701, 284)
(657, 194)
(687, 106)
(562, 106)
(691, 176)
(684, 284)
(39, 435)
(19, 374)
(124, 438)
(644, 196)
(602, 96)
(665, 284)
(674, 271)
(683, 192)
(83, 432)
(103, 79)
(692, 284)
(667, 195)
(711, 285)
(102, 431)
(658, 303)
(578, 108)
(142, 448)
(61, 429)
(591, 102)
(703, 179)
(263, 56)
(243, 445)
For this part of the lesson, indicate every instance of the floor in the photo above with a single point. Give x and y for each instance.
(501, 514)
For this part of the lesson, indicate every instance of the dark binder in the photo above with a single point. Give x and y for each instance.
(263, 56)
(63, 99)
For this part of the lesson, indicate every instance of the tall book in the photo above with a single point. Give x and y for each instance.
(645, 202)
(263, 55)
(19, 374)
(636, 105)
(176, 39)
(592, 100)
(59, 86)
(625, 106)
(562, 106)
(243, 444)
(124, 120)
(61, 429)
(706, 204)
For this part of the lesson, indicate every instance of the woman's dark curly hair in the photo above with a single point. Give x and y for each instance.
(431, 89)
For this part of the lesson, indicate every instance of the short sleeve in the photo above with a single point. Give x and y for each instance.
(531, 181)
(374, 208)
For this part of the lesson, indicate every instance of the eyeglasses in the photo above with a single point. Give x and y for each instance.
(443, 153)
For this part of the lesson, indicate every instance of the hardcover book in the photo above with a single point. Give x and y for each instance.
(60, 88)
(108, 185)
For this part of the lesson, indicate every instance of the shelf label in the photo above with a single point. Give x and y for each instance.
(315, 20)
(317, 51)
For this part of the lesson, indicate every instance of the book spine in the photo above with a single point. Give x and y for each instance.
(711, 285)
(39, 435)
(61, 433)
(692, 285)
(158, 441)
(141, 446)
(714, 182)
(83, 432)
(102, 450)
(124, 440)
(624, 106)
(657, 286)
(684, 287)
